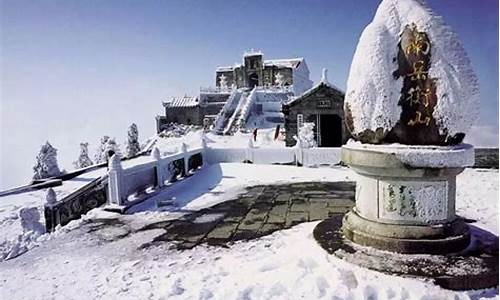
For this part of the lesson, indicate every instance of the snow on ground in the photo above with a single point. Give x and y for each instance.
(265, 138)
(222, 182)
(19, 232)
(477, 197)
(78, 264)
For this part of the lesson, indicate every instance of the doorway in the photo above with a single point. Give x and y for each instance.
(330, 131)
(253, 80)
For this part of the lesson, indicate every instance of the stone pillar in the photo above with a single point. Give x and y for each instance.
(249, 150)
(405, 197)
(299, 154)
(115, 185)
(186, 159)
(50, 197)
(204, 153)
(50, 214)
(160, 176)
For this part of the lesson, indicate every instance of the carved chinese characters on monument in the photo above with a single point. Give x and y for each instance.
(418, 98)
(418, 95)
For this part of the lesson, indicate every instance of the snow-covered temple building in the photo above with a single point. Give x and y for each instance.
(322, 105)
(255, 71)
(245, 96)
(259, 93)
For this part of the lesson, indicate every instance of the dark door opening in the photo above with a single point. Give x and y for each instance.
(253, 80)
(330, 131)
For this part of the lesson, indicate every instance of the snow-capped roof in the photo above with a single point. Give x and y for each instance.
(185, 101)
(293, 63)
(224, 68)
(284, 63)
(323, 82)
(252, 53)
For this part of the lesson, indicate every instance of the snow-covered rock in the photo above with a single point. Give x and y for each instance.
(373, 98)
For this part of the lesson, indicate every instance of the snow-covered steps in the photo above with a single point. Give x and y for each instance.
(227, 111)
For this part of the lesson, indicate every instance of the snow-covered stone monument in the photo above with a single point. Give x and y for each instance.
(411, 98)
(410, 85)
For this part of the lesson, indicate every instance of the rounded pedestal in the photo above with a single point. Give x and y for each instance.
(405, 197)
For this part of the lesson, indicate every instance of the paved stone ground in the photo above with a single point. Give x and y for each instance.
(259, 211)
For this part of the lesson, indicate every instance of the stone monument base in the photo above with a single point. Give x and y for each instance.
(476, 267)
(411, 239)
(405, 197)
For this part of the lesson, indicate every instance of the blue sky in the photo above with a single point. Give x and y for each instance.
(75, 70)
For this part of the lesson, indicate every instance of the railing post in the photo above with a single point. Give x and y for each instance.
(115, 184)
(249, 151)
(160, 176)
(50, 214)
(204, 152)
(299, 154)
(186, 159)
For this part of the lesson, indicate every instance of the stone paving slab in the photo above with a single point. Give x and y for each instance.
(260, 211)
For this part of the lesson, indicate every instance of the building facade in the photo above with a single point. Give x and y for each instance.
(324, 106)
(192, 110)
(255, 71)
(291, 74)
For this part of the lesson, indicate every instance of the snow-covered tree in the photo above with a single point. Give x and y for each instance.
(133, 146)
(83, 159)
(46, 163)
(100, 155)
(306, 136)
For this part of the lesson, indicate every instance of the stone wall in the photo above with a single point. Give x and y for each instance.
(486, 158)
(183, 115)
(266, 74)
(270, 72)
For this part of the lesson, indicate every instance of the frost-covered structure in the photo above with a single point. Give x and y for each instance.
(405, 42)
(323, 105)
(83, 159)
(133, 146)
(306, 136)
(107, 144)
(247, 93)
(254, 71)
(46, 163)
(112, 147)
(100, 155)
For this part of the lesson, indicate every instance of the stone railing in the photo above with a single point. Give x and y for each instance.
(486, 158)
(276, 88)
(245, 110)
(125, 186)
(219, 119)
(128, 186)
(78, 203)
(293, 156)
(217, 89)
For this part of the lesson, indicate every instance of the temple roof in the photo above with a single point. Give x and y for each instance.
(280, 63)
(322, 83)
(284, 63)
(185, 101)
